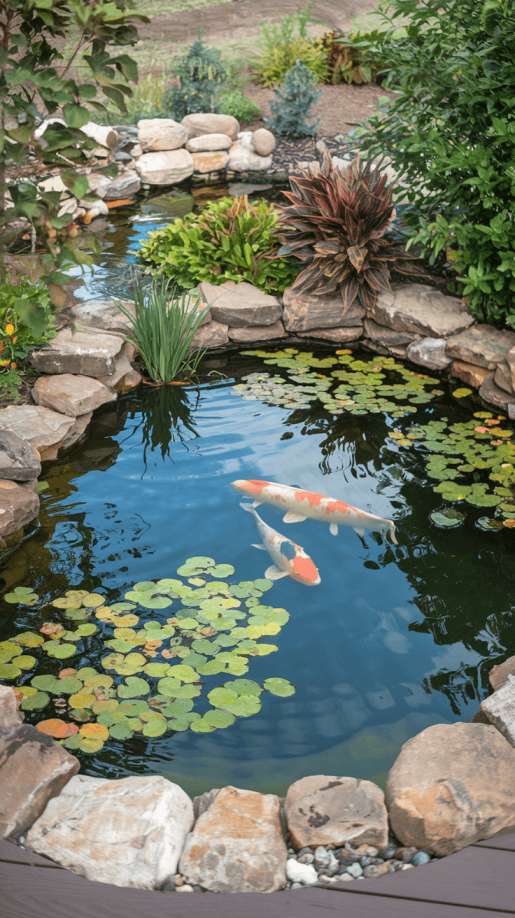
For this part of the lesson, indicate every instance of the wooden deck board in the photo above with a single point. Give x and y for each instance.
(504, 840)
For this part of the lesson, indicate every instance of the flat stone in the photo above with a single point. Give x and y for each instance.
(33, 770)
(125, 185)
(264, 142)
(129, 832)
(500, 672)
(330, 810)
(240, 305)
(10, 716)
(335, 335)
(422, 310)
(71, 395)
(483, 345)
(19, 460)
(102, 134)
(495, 396)
(124, 377)
(243, 158)
(40, 426)
(502, 377)
(210, 162)
(469, 373)
(207, 143)
(213, 334)
(391, 351)
(103, 314)
(450, 786)
(429, 353)
(237, 844)
(385, 336)
(156, 134)
(99, 184)
(499, 708)
(167, 168)
(308, 312)
(79, 352)
(208, 123)
(257, 333)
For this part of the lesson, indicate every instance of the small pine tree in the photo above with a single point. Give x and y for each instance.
(292, 102)
(201, 74)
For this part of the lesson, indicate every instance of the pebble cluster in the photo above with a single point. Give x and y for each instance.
(325, 866)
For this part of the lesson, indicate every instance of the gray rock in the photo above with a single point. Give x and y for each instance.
(211, 335)
(10, 716)
(420, 858)
(157, 134)
(297, 872)
(82, 353)
(304, 313)
(376, 870)
(499, 708)
(128, 832)
(502, 377)
(209, 123)
(39, 426)
(125, 185)
(421, 310)
(355, 870)
(331, 810)
(71, 395)
(19, 461)
(385, 336)
(103, 314)
(499, 674)
(342, 335)
(429, 353)
(482, 345)
(166, 168)
(207, 143)
(240, 305)
(204, 801)
(495, 396)
(305, 857)
(33, 769)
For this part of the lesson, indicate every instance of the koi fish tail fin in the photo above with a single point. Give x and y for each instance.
(249, 508)
(391, 532)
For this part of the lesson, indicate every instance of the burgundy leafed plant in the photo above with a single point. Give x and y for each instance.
(336, 224)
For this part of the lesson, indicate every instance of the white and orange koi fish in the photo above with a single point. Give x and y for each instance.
(290, 560)
(300, 505)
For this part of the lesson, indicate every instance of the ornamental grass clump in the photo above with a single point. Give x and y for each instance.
(163, 326)
(337, 224)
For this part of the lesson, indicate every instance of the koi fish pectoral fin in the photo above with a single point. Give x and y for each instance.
(256, 503)
(273, 573)
(290, 517)
(333, 529)
(261, 547)
(360, 532)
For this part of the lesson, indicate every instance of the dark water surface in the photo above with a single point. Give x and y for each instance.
(394, 639)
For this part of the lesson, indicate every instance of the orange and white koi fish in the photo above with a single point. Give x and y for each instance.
(300, 505)
(290, 559)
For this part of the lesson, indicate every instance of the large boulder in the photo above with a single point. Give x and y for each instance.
(167, 168)
(19, 505)
(210, 162)
(71, 395)
(495, 396)
(40, 426)
(264, 142)
(211, 335)
(208, 123)
(387, 337)
(19, 460)
(257, 333)
(123, 377)
(10, 716)
(500, 672)
(129, 832)
(450, 786)
(483, 345)
(469, 373)
(103, 314)
(237, 844)
(209, 143)
(421, 310)
(499, 709)
(240, 305)
(155, 134)
(243, 158)
(329, 810)
(306, 312)
(33, 769)
(429, 353)
(124, 186)
(82, 352)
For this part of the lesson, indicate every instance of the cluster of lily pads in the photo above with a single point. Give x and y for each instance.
(376, 386)
(153, 671)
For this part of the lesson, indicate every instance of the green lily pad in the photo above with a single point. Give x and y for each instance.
(133, 687)
(447, 518)
(281, 687)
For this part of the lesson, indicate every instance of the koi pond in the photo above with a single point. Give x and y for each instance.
(138, 621)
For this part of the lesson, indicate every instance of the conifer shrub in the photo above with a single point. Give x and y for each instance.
(200, 76)
(292, 102)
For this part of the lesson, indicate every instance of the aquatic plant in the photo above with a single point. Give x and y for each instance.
(163, 327)
(229, 239)
(154, 671)
(292, 103)
(336, 224)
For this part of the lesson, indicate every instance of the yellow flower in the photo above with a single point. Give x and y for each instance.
(9, 329)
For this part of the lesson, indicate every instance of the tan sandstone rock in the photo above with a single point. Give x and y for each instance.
(40, 426)
(33, 769)
(209, 123)
(422, 310)
(207, 143)
(129, 832)
(10, 716)
(482, 345)
(469, 373)
(243, 158)
(499, 708)
(264, 142)
(123, 377)
(240, 305)
(450, 786)
(84, 353)
(499, 673)
(211, 335)
(330, 810)
(387, 337)
(341, 335)
(495, 396)
(257, 333)
(237, 844)
(210, 162)
(19, 505)
(156, 134)
(307, 312)
(102, 134)
(502, 377)
(167, 168)
(103, 314)
(71, 395)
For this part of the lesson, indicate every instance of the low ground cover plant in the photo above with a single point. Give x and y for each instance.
(234, 102)
(230, 239)
(292, 104)
(450, 132)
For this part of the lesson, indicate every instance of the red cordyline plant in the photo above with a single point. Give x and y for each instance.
(336, 224)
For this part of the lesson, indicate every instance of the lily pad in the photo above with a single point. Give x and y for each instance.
(281, 687)
(447, 518)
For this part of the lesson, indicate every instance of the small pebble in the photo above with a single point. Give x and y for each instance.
(376, 870)
(420, 858)
(355, 870)
(405, 854)
(307, 858)
(185, 888)
(300, 873)
(365, 861)
(407, 867)
(388, 852)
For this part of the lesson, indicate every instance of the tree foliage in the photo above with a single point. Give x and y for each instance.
(450, 133)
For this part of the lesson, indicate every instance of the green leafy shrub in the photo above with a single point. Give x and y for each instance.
(230, 239)
(200, 76)
(163, 326)
(236, 103)
(350, 58)
(292, 102)
(26, 321)
(286, 42)
(147, 101)
(450, 133)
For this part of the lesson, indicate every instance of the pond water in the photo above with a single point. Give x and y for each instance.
(396, 637)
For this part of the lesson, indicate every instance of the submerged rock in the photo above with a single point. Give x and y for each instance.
(331, 810)
(19, 460)
(129, 832)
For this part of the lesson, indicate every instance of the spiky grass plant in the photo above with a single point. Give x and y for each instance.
(337, 225)
(163, 326)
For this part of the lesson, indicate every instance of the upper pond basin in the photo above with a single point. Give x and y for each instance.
(396, 637)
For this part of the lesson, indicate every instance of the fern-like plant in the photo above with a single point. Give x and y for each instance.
(336, 224)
